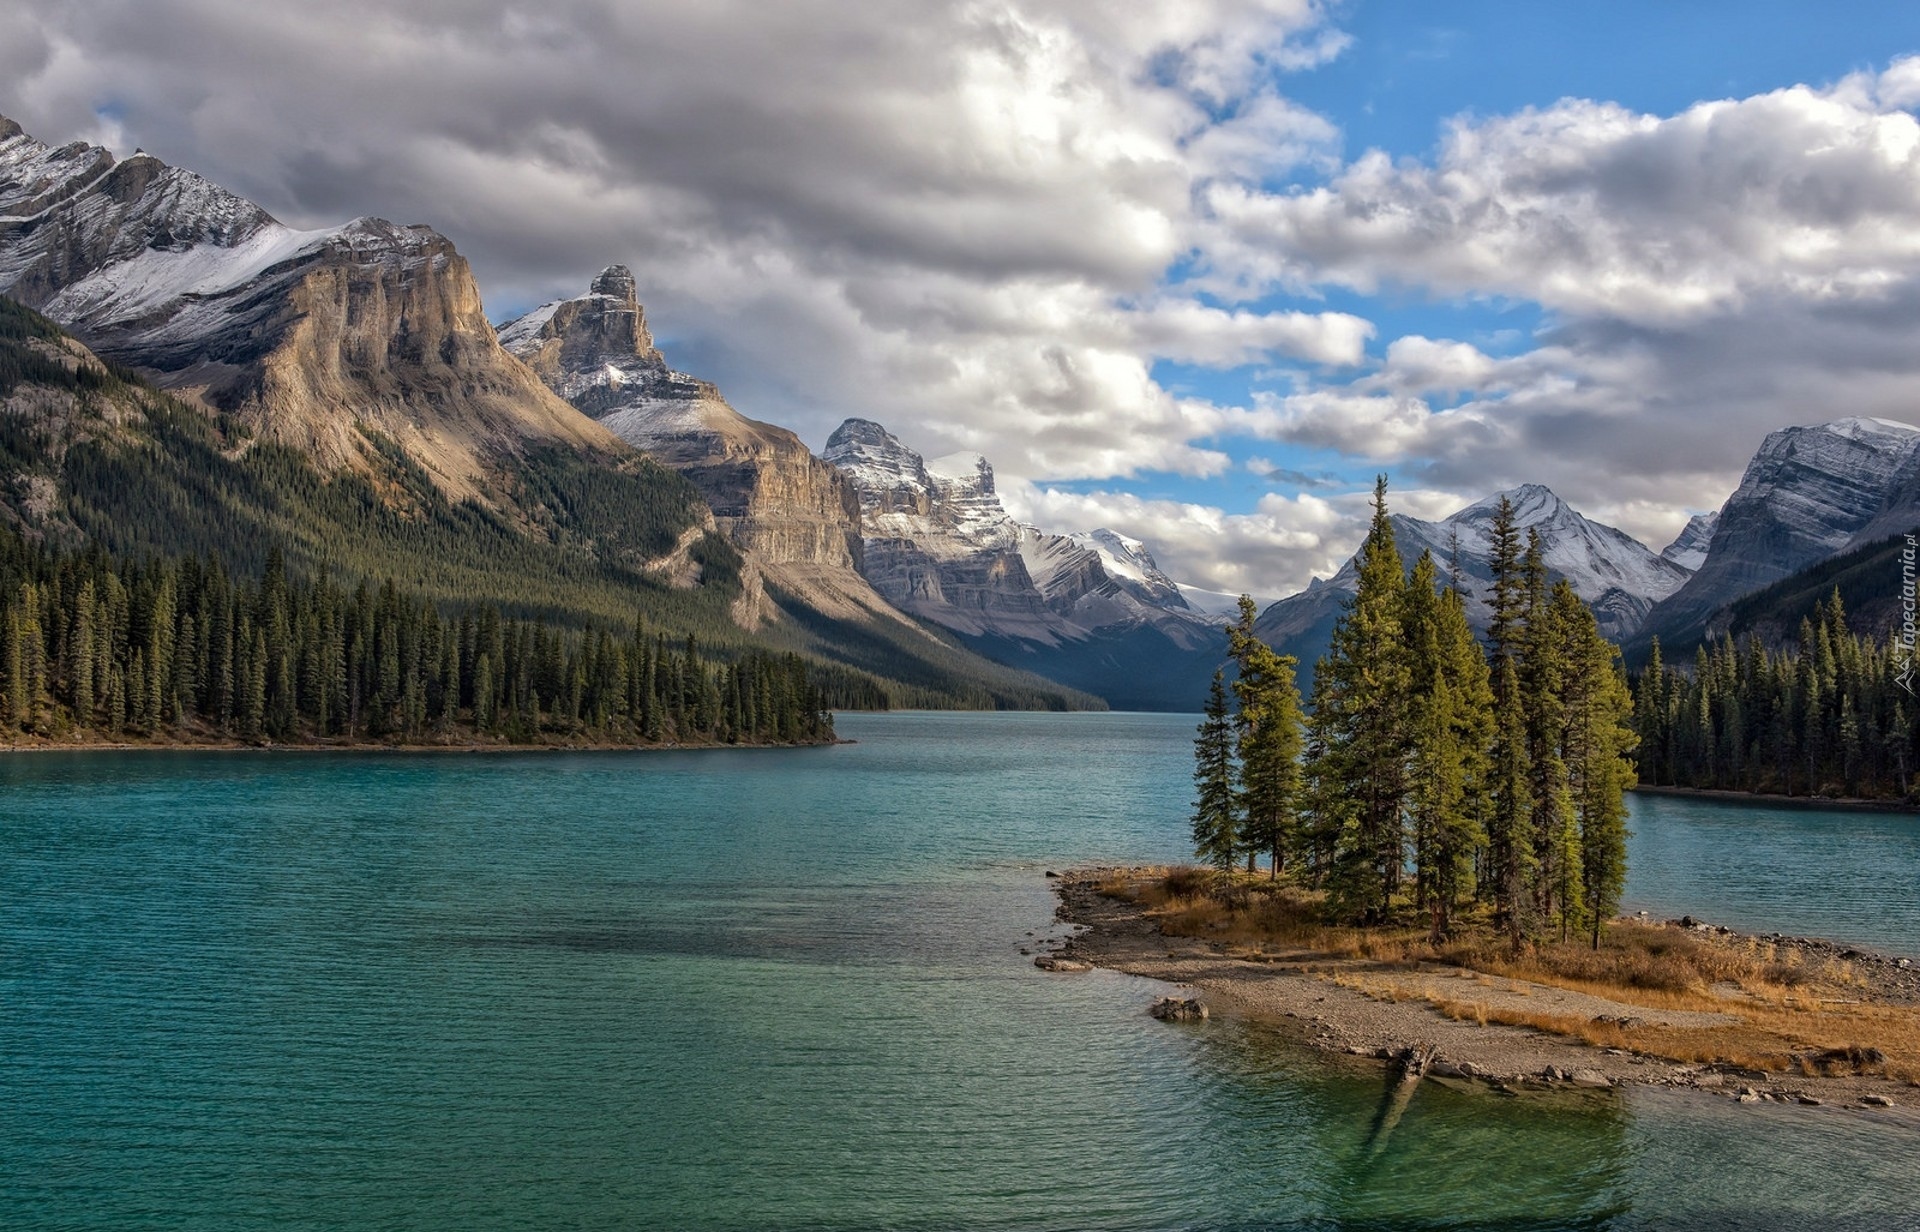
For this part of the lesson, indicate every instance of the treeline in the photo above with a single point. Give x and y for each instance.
(1432, 773)
(91, 647)
(1825, 717)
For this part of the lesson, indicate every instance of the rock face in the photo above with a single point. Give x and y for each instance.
(1808, 494)
(336, 342)
(1619, 577)
(936, 541)
(939, 543)
(1090, 610)
(1689, 547)
(768, 492)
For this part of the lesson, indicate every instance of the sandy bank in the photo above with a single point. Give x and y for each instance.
(1377, 1010)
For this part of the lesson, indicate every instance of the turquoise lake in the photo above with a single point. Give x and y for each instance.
(783, 989)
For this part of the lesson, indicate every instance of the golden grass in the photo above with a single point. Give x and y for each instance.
(1792, 1011)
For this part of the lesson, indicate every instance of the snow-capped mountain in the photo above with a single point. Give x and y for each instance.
(1806, 495)
(1619, 577)
(1093, 610)
(161, 269)
(936, 541)
(1689, 547)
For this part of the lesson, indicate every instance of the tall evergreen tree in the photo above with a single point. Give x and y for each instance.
(1451, 706)
(1216, 820)
(1360, 724)
(1268, 729)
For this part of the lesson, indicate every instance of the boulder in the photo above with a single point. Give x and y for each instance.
(1053, 962)
(1179, 1009)
(1589, 1078)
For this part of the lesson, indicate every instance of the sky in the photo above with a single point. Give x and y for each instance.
(1196, 271)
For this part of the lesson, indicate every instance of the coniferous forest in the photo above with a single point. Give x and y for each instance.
(1824, 717)
(1435, 775)
(95, 648)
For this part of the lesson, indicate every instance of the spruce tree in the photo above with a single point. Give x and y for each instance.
(1361, 723)
(1451, 726)
(1216, 822)
(1267, 725)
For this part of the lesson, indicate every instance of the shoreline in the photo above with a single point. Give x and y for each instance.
(1324, 1003)
(1838, 804)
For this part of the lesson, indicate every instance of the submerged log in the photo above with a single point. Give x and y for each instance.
(1409, 1067)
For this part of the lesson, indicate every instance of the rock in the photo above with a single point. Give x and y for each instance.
(1710, 1080)
(1053, 962)
(1584, 1077)
(1447, 1069)
(769, 494)
(1810, 1101)
(1876, 1101)
(1179, 1009)
(1749, 1096)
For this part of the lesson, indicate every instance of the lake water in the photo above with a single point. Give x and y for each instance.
(782, 989)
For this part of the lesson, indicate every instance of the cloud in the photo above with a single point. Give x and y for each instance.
(984, 222)
(1711, 276)
(1595, 210)
(953, 216)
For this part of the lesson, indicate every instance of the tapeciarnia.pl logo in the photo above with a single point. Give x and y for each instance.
(1906, 639)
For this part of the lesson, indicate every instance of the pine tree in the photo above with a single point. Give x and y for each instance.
(1216, 821)
(1267, 726)
(1600, 738)
(1360, 725)
(1452, 721)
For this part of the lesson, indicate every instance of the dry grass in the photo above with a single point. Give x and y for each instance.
(1794, 1011)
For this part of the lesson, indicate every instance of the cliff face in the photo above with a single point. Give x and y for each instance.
(937, 542)
(768, 492)
(334, 341)
(1809, 493)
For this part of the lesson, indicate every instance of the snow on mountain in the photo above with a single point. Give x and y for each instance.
(767, 490)
(938, 542)
(1689, 547)
(1131, 565)
(314, 338)
(1805, 496)
(1619, 577)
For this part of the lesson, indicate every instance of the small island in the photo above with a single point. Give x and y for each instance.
(1660, 1003)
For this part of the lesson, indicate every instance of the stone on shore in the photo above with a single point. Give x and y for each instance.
(1179, 1009)
(1053, 962)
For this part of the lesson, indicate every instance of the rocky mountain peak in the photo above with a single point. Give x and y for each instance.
(616, 283)
(1689, 547)
(1807, 493)
(768, 492)
(886, 473)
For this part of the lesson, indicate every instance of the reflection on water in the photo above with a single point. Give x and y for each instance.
(702, 991)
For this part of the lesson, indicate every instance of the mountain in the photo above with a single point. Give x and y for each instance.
(769, 493)
(1090, 610)
(1689, 547)
(340, 342)
(1808, 494)
(343, 391)
(1619, 577)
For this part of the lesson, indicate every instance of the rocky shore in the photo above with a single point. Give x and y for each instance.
(1356, 1008)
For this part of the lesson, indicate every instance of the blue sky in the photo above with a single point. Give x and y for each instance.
(1413, 67)
(1193, 270)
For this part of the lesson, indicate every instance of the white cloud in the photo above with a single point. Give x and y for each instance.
(1593, 209)
(982, 222)
(953, 216)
